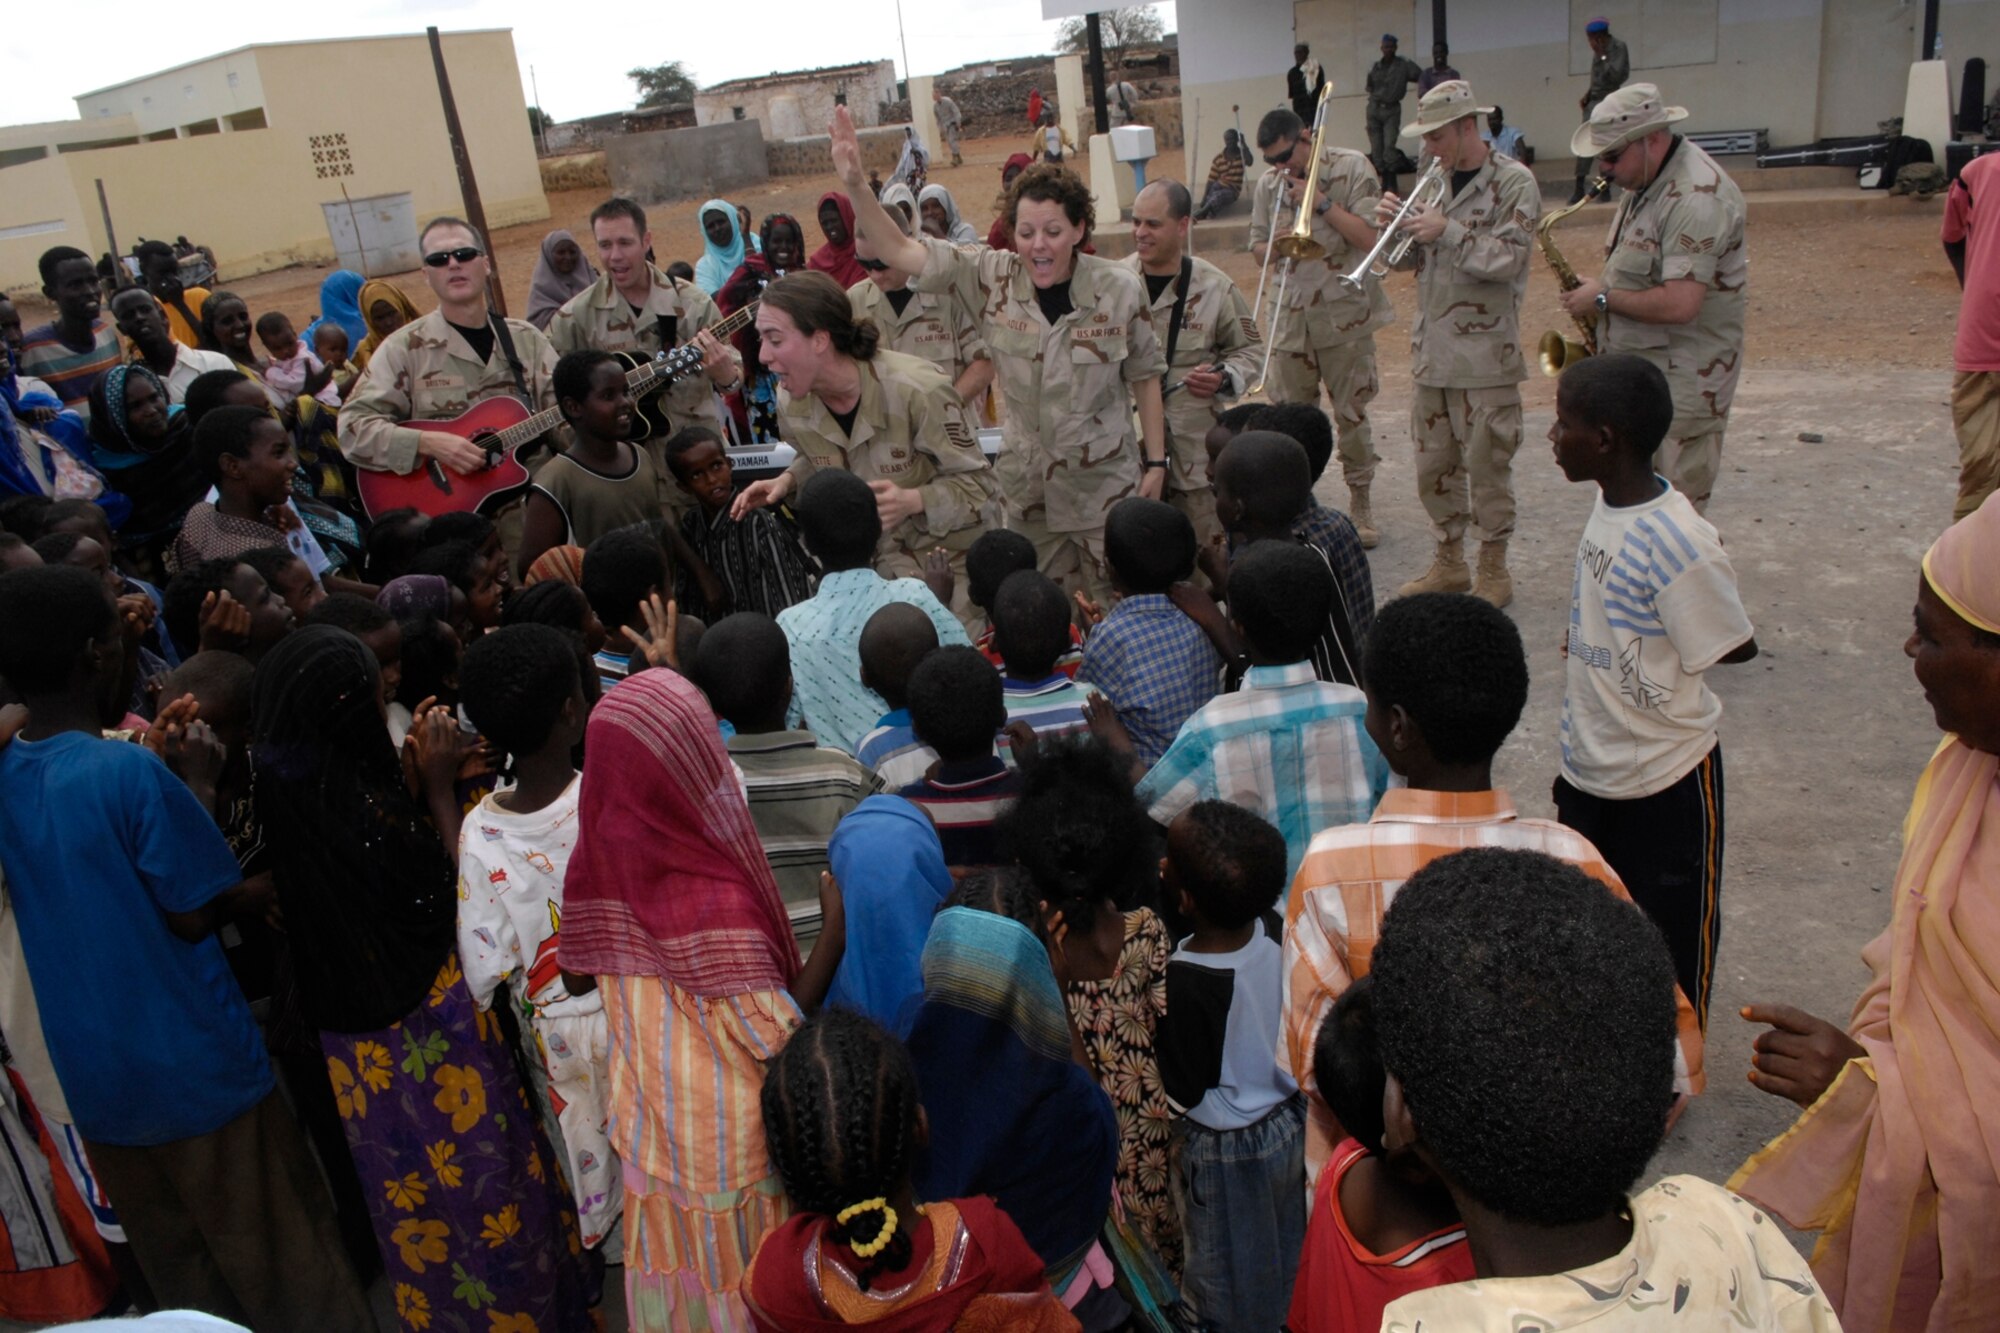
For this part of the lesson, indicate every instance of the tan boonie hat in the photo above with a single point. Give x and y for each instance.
(1625, 115)
(1441, 106)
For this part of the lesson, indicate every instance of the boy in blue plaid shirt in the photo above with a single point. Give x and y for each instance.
(1154, 664)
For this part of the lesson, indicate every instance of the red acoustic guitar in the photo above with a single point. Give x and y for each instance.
(502, 427)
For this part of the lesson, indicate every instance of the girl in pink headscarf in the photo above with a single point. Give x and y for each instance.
(1897, 1157)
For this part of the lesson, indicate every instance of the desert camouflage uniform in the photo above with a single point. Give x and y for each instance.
(598, 317)
(426, 371)
(933, 327)
(1465, 346)
(950, 124)
(908, 430)
(1071, 450)
(1326, 332)
(1218, 329)
(1687, 224)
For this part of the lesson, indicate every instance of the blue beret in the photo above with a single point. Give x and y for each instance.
(1597, 25)
(1390, 37)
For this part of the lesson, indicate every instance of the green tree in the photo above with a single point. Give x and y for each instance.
(1121, 27)
(539, 120)
(663, 85)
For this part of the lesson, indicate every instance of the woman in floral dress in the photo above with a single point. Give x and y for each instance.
(476, 1229)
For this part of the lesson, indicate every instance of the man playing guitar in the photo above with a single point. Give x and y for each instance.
(437, 366)
(636, 309)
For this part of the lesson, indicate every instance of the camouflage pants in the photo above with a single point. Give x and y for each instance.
(949, 133)
(1199, 506)
(1348, 371)
(1465, 441)
(1691, 456)
(1975, 412)
(1074, 560)
(895, 561)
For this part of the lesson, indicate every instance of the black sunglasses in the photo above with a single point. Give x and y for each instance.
(1615, 156)
(465, 254)
(872, 265)
(1279, 159)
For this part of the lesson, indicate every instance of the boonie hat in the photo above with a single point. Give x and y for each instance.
(1449, 101)
(1630, 113)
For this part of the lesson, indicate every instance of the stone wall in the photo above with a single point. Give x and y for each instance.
(687, 164)
(576, 171)
(790, 105)
(813, 154)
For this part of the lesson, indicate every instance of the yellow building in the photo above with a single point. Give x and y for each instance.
(240, 151)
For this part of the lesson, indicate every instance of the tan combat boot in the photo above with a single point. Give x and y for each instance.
(1446, 574)
(1362, 513)
(1494, 583)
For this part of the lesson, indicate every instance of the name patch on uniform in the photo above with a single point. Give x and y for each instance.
(1092, 332)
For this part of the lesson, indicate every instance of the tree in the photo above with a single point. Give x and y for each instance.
(539, 120)
(1121, 28)
(663, 85)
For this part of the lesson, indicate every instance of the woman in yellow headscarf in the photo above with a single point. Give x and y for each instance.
(386, 309)
(1896, 1159)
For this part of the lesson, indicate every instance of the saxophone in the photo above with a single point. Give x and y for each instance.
(1556, 350)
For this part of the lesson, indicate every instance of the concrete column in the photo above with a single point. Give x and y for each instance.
(923, 116)
(1070, 97)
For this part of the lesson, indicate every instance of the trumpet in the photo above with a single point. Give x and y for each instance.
(1392, 248)
(1295, 244)
(1556, 350)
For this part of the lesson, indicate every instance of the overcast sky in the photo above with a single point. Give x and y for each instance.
(45, 59)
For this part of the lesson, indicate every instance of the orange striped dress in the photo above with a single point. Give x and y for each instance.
(701, 1193)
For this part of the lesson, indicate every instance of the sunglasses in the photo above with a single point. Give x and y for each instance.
(465, 254)
(1615, 156)
(1279, 159)
(872, 265)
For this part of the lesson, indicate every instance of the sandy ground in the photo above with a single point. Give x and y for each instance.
(1849, 337)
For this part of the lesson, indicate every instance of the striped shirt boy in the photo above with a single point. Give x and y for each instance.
(69, 373)
(798, 791)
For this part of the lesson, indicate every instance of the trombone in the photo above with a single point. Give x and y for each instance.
(1294, 244)
(1428, 192)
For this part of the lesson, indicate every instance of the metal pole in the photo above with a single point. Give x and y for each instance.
(1929, 51)
(1437, 22)
(119, 273)
(475, 212)
(1097, 72)
(903, 37)
(541, 119)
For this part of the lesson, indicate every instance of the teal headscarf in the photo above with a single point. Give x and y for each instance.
(718, 262)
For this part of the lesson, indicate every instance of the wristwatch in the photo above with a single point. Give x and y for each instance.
(1603, 303)
(1160, 463)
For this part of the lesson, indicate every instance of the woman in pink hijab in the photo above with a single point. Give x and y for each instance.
(1896, 1160)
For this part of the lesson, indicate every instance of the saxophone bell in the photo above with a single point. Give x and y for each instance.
(1556, 349)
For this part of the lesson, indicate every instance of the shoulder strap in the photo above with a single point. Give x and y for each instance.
(505, 338)
(1180, 306)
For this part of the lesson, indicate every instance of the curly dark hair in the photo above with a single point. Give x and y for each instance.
(1529, 1016)
(1080, 834)
(513, 683)
(1230, 861)
(1048, 183)
(1002, 891)
(1347, 1064)
(1280, 595)
(840, 1119)
(1455, 664)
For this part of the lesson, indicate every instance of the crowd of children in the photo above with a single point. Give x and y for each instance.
(649, 884)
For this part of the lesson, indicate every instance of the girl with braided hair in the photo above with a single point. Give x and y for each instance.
(844, 1128)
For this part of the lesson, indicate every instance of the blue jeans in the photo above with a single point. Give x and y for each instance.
(1242, 1199)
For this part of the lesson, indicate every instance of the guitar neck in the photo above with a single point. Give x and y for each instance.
(686, 357)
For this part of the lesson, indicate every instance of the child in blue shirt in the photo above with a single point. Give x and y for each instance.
(118, 879)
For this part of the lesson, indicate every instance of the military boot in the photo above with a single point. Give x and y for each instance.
(1362, 512)
(1446, 574)
(1493, 583)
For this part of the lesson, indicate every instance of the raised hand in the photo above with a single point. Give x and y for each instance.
(937, 573)
(761, 493)
(846, 151)
(225, 623)
(657, 641)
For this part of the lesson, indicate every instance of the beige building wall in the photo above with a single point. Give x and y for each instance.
(255, 196)
(787, 106)
(198, 93)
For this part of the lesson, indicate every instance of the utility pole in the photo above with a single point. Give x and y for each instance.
(1096, 35)
(468, 185)
(903, 37)
(541, 119)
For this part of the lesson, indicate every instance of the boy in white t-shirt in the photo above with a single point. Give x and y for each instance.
(1653, 606)
(522, 687)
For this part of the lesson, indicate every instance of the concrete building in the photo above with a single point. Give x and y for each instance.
(241, 150)
(1799, 69)
(790, 106)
